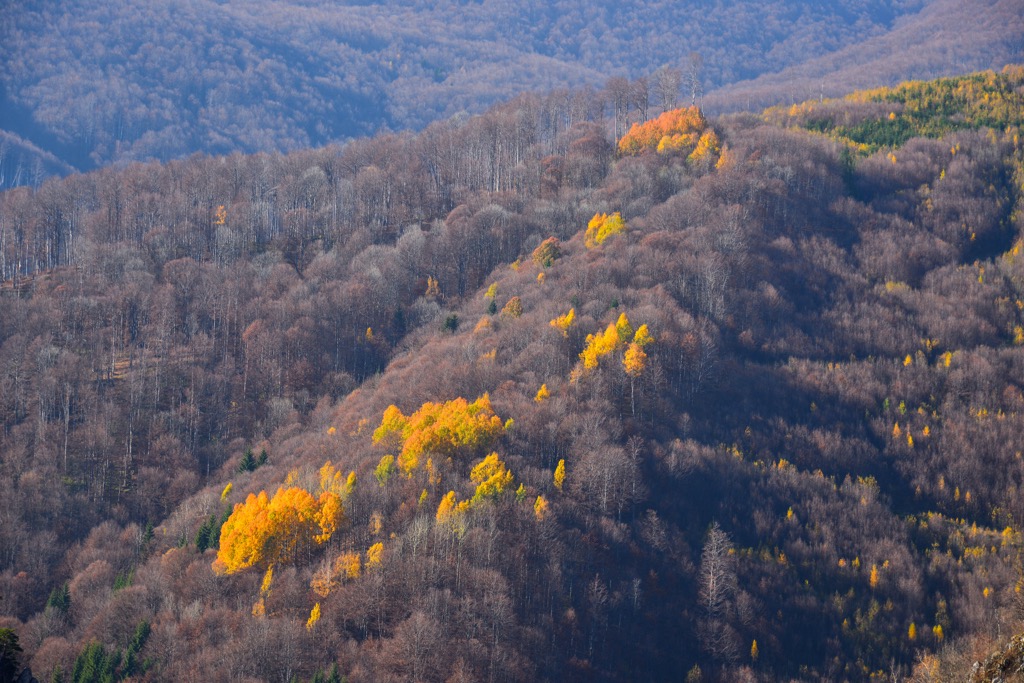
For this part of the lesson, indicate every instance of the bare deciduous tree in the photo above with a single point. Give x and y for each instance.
(716, 593)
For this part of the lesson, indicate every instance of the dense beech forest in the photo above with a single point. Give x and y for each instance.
(90, 82)
(540, 394)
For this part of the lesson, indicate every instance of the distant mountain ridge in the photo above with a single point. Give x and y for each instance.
(120, 81)
(948, 37)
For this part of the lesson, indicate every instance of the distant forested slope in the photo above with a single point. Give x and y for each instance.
(945, 38)
(95, 82)
(728, 398)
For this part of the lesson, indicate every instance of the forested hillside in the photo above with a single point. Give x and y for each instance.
(513, 399)
(945, 38)
(98, 82)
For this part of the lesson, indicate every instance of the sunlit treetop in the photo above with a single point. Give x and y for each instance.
(674, 131)
(868, 120)
(491, 477)
(283, 529)
(547, 253)
(601, 227)
(443, 428)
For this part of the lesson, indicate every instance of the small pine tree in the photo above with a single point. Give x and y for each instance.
(93, 665)
(248, 462)
(131, 664)
(60, 599)
(204, 535)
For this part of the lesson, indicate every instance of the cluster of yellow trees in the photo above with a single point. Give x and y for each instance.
(283, 528)
(286, 527)
(618, 335)
(442, 428)
(601, 227)
(683, 131)
(280, 529)
(492, 478)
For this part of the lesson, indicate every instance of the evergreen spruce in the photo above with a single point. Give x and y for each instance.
(135, 645)
(10, 651)
(204, 537)
(248, 463)
(60, 598)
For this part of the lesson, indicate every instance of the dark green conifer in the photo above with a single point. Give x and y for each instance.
(248, 462)
(60, 598)
(10, 652)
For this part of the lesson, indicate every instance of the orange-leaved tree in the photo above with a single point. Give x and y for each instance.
(540, 508)
(634, 360)
(444, 428)
(265, 531)
(677, 130)
(512, 309)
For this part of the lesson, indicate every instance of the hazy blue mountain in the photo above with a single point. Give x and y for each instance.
(94, 82)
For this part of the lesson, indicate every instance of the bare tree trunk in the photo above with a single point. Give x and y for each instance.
(716, 594)
(694, 76)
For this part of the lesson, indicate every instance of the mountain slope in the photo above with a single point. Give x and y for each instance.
(752, 413)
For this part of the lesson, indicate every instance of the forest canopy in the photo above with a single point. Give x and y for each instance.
(393, 411)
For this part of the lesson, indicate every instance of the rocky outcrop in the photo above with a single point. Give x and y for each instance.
(1002, 667)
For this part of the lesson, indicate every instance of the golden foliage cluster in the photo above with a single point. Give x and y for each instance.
(443, 428)
(678, 131)
(275, 530)
(601, 227)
